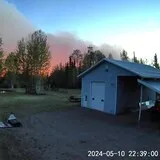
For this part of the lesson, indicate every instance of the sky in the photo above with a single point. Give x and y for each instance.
(132, 25)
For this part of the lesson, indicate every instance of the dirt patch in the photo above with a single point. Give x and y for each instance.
(70, 134)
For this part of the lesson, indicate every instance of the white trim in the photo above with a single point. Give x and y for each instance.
(104, 96)
(115, 108)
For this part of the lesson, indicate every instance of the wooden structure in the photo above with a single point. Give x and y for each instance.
(35, 86)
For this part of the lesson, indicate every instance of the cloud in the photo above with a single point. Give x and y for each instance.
(63, 44)
(115, 50)
(14, 25)
(144, 42)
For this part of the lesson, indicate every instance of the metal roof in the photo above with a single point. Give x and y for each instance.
(152, 84)
(144, 71)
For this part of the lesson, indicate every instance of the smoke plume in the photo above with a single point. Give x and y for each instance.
(14, 25)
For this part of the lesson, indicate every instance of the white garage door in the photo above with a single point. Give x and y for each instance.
(97, 95)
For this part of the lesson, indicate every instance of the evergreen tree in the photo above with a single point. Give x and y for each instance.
(141, 61)
(110, 56)
(135, 59)
(124, 55)
(155, 62)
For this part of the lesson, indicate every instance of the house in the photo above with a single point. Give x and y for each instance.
(114, 86)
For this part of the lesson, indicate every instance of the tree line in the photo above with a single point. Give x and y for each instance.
(28, 65)
(65, 76)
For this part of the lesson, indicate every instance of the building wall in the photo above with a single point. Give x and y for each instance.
(119, 95)
(110, 79)
(98, 74)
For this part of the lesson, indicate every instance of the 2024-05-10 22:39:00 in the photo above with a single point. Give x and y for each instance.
(130, 153)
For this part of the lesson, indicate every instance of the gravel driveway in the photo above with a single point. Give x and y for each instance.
(69, 135)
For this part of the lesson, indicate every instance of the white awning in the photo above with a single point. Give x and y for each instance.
(152, 84)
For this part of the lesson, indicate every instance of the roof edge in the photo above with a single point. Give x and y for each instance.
(100, 62)
(114, 63)
(147, 84)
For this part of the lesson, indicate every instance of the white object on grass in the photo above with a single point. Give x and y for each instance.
(5, 125)
(2, 125)
(11, 117)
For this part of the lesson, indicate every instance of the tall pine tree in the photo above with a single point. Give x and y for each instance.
(155, 62)
(110, 56)
(124, 55)
(135, 59)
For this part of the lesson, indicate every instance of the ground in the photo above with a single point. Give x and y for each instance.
(54, 129)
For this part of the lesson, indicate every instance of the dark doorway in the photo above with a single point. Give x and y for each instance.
(128, 93)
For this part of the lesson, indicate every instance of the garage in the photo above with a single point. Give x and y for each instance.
(97, 95)
(113, 86)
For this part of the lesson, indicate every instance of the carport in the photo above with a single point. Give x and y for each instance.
(151, 84)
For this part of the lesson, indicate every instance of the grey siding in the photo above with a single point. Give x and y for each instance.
(119, 95)
(83, 91)
(114, 72)
(110, 79)
(98, 74)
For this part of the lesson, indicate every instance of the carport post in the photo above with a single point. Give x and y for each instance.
(140, 104)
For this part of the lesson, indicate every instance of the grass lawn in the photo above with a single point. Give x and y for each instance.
(26, 105)
(23, 105)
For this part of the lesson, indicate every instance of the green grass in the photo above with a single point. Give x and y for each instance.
(25, 105)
